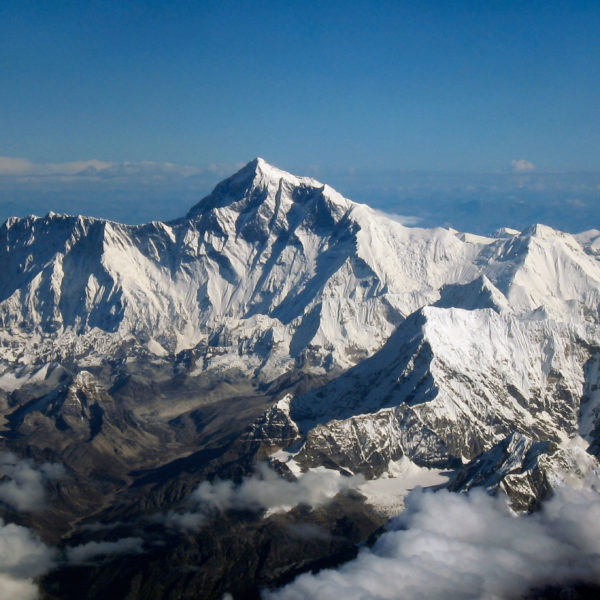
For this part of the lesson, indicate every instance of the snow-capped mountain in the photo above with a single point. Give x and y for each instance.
(448, 385)
(278, 269)
(268, 271)
(280, 320)
(273, 272)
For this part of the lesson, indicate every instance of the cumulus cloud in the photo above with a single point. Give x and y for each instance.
(448, 545)
(264, 490)
(86, 552)
(23, 485)
(522, 166)
(22, 557)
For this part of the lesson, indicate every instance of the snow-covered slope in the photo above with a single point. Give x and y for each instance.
(447, 385)
(280, 269)
(462, 340)
(280, 321)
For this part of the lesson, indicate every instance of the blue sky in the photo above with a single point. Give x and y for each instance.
(333, 89)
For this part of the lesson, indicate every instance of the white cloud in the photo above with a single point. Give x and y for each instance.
(18, 589)
(23, 487)
(186, 520)
(25, 170)
(85, 552)
(22, 166)
(522, 166)
(263, 490)
(448, 545)
(22, 557)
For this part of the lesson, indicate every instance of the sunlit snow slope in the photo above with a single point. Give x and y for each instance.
(269, 271)
(445, 343)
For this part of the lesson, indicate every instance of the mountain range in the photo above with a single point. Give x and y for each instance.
(279, 335)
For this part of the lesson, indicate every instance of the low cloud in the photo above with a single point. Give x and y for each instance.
(23, 484)
(22, 167)
(127, 191)
(187, 520)
(465, 547)
(142, 191)
(22, 557)
(26, 170)
(91, 550)
(522, 166)
(264, 490)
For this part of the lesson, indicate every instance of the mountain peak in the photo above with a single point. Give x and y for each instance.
(259, 179)
(259, 167)
(544, 232)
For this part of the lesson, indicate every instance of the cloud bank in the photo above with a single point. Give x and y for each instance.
(22, 557)
(128, 191)
(464, 547)
(142, 191)
(263, 490)
(23, 487)
(26, 169)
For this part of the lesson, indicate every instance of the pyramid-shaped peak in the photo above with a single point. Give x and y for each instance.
(268, 172)
(542, 231)
(260, 179)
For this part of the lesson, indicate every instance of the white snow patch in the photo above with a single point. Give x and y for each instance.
(387, 493)
(154, 347)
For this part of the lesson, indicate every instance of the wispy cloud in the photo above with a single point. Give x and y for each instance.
(92, 550)
(24, 485)
(263, 490)
(448, 545)
(22, 166)
(407, 220)
(141, 191)
(522, 166)
(128, 191)
(27, 170)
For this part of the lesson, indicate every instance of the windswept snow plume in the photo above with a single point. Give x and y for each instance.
(23, 486)
(465, 547)
(85, 552)
(22, 557)
(406, 220)
(264, 490)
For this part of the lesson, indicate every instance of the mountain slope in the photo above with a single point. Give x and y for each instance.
(271, 265)
(279, 321)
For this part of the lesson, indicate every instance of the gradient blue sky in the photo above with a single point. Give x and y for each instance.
(327, 88)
